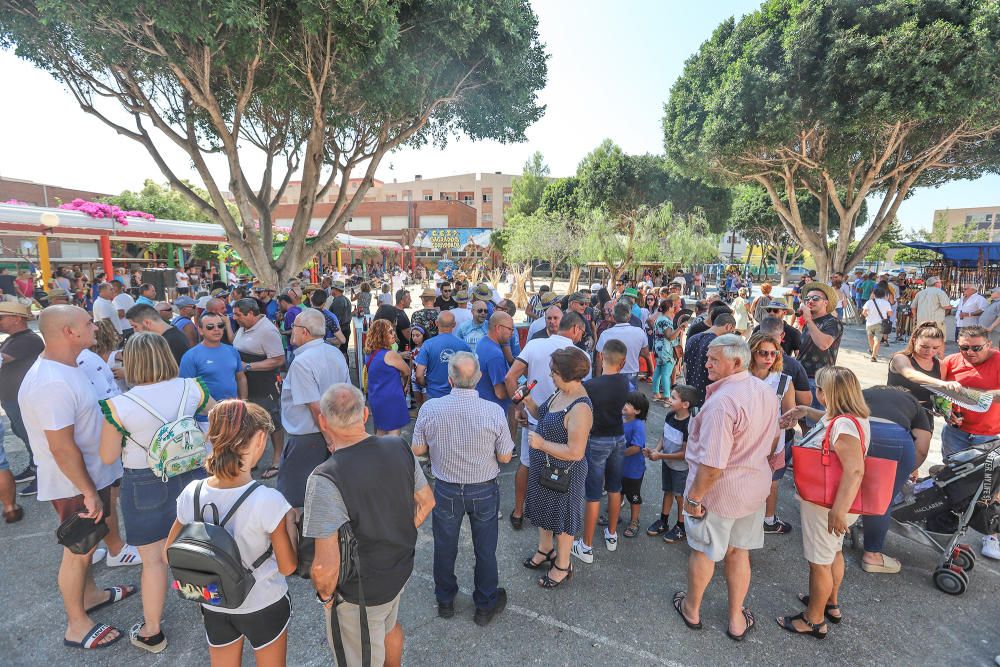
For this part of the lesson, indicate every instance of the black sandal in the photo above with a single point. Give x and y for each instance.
(751, 621)
(516, 521)
(545, 581)
(679, 598)
(788, 623)
(270, 473)
(804, 599)
(532, 565)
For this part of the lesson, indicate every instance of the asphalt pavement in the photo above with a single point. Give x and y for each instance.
(614, 612)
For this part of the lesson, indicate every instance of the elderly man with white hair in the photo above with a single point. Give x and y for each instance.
(931, 304)
(728, 481)
(315, 367)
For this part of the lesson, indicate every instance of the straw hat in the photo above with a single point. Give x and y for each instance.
(15, 308)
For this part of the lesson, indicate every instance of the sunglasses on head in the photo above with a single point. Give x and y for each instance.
(972, 348)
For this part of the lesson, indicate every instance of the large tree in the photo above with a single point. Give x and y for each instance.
(843, 101)
(321, 90)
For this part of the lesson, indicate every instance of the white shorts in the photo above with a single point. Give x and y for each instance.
(819, 545)
(714, 535)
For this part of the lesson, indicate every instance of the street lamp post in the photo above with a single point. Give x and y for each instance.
(49, 221)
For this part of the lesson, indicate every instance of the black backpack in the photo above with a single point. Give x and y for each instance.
(205, 559)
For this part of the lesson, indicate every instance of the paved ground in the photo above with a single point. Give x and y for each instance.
(615, 611)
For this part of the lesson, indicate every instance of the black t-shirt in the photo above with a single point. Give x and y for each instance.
(899, 406)
(793, 369)
(442, 304)
(177, 341)
(24, 346)
(698, 327)
(812, 357)
(791, 342)
(399, 320)
(7, 285)
(541, 333)
(341, 307)
(607, 394)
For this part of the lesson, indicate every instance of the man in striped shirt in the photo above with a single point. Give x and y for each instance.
(465, 463)
(728, 482)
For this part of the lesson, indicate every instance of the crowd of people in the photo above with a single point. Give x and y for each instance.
(239, 368)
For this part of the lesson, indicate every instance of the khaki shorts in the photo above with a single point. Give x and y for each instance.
(381, 620)
(715, 535)
(819, 545)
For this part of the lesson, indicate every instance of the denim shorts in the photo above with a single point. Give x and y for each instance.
(604, 465)
(149, 505)
(4, 464)
(955, 440)
(673, 481)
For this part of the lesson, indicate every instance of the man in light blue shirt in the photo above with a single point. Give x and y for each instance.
(216, 363)
(434, 355)
(147, 295)
(475, 329)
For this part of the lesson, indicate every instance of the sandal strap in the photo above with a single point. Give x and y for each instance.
(562, 569)
(96, 634)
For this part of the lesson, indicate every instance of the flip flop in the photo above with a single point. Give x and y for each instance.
(679, 597)
(270, 473)
(92, 639)
(751, 621)
(118, 593)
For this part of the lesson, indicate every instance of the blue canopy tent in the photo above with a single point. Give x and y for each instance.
(960, 263)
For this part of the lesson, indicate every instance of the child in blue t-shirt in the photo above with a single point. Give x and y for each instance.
(670, 450)
(634, 464)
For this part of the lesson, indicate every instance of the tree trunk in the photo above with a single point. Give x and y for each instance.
(552, 273)
(574, 279)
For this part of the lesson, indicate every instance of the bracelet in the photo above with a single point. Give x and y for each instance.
(326, 601)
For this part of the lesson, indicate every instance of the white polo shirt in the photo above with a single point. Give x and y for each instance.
(262, 338)
(537, 354)
(316, 366)
(634, 338)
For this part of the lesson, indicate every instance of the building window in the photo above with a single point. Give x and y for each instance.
(487, 217)
(446, 197)
(506, 198)
(487, 199)
(467, 199)
(428, 197)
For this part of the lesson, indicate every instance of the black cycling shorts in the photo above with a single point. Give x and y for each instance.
(260, 627)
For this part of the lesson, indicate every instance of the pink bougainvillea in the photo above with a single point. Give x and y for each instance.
(16, 202)
(99, 210)
(288, 230)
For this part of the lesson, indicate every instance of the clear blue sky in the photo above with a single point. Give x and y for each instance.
(611, 67)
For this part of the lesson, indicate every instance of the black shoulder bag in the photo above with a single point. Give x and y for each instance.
(350, 565)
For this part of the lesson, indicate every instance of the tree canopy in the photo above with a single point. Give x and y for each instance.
(842, 101)
(164, 202)
(310, 88)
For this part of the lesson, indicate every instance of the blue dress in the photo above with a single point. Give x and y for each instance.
(385, 394)
(544, 508)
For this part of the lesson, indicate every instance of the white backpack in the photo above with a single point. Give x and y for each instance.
(178, 446)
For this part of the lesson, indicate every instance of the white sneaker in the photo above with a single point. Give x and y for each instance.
(991, 547)
(583, 552)
(610, 540)
(129, 555)
(99, 554)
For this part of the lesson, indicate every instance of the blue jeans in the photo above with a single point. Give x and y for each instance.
(955, 440)
(893, 442)
(661, 376)
(452, 502)
(604, 466)
(13, 410)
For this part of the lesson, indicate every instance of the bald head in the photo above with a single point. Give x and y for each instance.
(445, 321)
(463, 370)
(67, 330)
(215, 305)
(553, 317)
(501, 326)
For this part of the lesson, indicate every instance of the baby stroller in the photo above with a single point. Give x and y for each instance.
(939, 509)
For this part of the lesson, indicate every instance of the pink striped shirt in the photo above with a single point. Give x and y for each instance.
(734, 432)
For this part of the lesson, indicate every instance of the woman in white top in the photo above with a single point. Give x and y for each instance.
(845, 420)
(875, 310)
(766, 363)
(740, 312)
(147, 502)
(239, 433)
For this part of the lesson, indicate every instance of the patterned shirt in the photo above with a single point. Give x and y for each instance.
(459, 454)
(472, 333)
(695, 358)
(733, 432)
(426, 319)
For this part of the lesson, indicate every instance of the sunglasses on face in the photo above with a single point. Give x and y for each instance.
(212, 327)
(971, 348)
(446, 290)
(767, 354)
(479, 310)
(774, 311)
(813, 298)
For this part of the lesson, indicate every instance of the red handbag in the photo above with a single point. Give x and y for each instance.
(818, 473)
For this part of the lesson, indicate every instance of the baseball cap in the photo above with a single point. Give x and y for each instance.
(776, 304)
(219, 292)
(594, 287)
(579, 297)
(185, 301)
(338, 284)
(632, 292)
(203, 302)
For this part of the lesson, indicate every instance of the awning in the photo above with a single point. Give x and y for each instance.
(961, 253)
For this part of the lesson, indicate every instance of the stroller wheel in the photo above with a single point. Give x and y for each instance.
(952, 582)
(964, 557)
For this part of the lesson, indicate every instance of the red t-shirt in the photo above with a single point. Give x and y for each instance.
(984, 376)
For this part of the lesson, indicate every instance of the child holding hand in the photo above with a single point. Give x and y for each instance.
(634, 463)
(670, 450)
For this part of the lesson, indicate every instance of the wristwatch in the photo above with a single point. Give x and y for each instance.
(246, 368)
(692, 503)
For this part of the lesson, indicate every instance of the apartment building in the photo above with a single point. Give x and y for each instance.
(42, 194)
(982, 219)
(488, 194)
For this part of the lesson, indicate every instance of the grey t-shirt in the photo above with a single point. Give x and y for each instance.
(325, 511)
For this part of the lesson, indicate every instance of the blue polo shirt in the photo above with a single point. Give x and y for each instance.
(634, 465)
(435, 354)
(493, 367)
(216, 366)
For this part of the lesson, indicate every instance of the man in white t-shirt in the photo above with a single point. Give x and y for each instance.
(183, 282)
(122, 301)
(970, 307)
(104, 308)
(533, 363)
(636, 342)
(64, 425)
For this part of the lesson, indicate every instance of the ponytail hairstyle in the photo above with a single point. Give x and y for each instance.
(232, 423)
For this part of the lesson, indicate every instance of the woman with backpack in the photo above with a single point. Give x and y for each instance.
(152, 429)
(263, 527)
